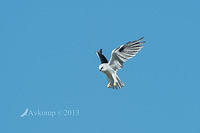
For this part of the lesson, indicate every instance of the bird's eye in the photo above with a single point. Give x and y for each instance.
(101, 68)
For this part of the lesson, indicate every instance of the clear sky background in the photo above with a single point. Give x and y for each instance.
(48, 62)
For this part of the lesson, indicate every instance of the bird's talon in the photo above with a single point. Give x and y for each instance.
(115, 84)
(109, 85)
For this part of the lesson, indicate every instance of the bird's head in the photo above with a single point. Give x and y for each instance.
(102, 67)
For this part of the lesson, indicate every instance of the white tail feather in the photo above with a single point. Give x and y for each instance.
(120, 84)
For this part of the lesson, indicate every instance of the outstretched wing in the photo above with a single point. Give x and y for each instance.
(124, 52)
(101, 56)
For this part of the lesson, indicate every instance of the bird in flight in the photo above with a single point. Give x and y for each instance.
(118, 57)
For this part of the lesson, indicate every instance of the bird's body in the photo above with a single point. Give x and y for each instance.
(118, 57)
(113, 79)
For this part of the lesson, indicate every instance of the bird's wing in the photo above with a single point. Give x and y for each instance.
(124, 52)
(101, 56)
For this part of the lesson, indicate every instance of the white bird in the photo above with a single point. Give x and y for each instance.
(118, 57)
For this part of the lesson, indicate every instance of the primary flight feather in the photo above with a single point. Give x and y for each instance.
(118, 57)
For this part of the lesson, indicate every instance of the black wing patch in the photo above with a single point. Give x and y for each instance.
(101, 56)
(121, 49)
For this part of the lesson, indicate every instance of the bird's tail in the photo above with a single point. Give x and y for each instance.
(120, 84)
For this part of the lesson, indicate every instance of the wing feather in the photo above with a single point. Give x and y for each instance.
(101, 56)
(125, 52)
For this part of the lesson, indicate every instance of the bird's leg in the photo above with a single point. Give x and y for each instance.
(109, 85)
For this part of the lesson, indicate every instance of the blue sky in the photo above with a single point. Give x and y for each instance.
(48, 62)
